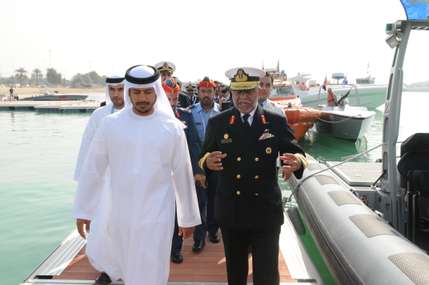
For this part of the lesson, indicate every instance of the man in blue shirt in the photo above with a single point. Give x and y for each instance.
(202, 112)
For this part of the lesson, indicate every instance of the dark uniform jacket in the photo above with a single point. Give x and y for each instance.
(184, 101)
(248, 194)
(194, 144)
(226, 105)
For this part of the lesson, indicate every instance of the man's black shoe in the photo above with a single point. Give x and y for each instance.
(198, 246)
(214, 238)
(103, 279)
(177, 258)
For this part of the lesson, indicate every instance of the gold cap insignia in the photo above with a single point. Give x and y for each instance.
(240, 76)
(226, 136)
(268, 150)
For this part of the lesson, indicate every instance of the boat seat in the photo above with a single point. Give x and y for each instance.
(413, 168)
(410, 166)
(418, 181)
(414, 157)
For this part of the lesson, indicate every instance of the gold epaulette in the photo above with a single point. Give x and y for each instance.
(303, 159)
(203, 160)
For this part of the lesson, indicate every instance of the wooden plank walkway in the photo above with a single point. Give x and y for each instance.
(207, 266)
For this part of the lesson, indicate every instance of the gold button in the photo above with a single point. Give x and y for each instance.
(238, 176)
(239, 158)
(256, 159)
(256, 177)
(238, 193)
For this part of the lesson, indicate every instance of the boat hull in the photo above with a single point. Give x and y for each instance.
(358, 245)
(57, 97)
(344, 127)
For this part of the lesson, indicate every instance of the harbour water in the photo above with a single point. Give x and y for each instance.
(37, 156)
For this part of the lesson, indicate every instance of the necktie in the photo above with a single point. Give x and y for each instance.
(245, 119)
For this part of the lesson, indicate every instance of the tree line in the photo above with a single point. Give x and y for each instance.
(52, 77)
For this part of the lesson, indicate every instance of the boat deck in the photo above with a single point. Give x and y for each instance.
(50, 106)
(360, 176)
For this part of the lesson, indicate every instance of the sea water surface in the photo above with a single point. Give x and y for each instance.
(37, 156)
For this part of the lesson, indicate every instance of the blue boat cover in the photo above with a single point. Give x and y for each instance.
(416, 9)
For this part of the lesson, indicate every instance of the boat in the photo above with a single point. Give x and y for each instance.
(371, 219)
(300, 119)
(366, 95)
(345, 122)
(341, 120)
(368, 79)
(362, 94)
(365, 80)
(56, 97)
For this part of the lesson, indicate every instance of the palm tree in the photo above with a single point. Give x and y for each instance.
(37, 75)
(21, 75)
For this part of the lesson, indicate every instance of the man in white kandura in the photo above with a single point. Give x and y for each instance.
(144, 146)
(114, 102)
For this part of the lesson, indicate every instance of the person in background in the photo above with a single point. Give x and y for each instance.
(202, 112)
(265, 88)
(166, 70)
(172, 90)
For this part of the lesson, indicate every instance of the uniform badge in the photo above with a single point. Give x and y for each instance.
(264, 120)
(226, 139)
(232, 120)
(268, 150)
(266, 135)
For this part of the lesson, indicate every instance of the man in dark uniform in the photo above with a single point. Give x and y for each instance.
(167, 69)
(225, 101)
(190, 92)
(242, 145)
(172, 90)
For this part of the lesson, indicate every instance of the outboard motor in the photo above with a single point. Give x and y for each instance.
(414, 180)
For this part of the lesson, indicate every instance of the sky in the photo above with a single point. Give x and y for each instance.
(205, 38)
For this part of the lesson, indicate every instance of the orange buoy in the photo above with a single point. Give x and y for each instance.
(300, 119)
